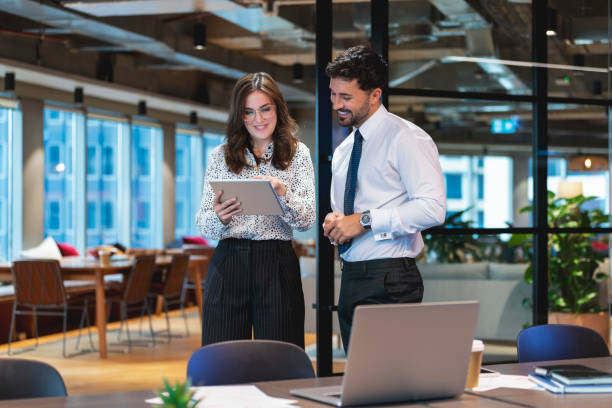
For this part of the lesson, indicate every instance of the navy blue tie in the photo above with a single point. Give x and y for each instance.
(351, 183)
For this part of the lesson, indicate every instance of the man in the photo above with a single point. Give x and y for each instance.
(387, 186)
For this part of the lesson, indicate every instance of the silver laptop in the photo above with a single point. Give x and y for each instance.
(404, 352)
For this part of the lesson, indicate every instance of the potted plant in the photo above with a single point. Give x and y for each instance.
(453, 248)
(178, 396)
(573, 283)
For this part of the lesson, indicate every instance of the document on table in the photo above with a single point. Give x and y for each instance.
(235, 396)
(505, 381)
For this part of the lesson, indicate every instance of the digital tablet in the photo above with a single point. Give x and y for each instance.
(257, 197)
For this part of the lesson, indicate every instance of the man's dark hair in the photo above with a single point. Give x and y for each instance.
(361, 63)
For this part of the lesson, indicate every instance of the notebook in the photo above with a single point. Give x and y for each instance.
(404, 352)
(574, 374)
(560, 388)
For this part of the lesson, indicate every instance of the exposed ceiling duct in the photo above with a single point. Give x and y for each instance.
(464, 20)
(78, 24)
(253, 18)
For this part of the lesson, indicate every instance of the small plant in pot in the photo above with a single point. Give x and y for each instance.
(179, 395)
(573, 283)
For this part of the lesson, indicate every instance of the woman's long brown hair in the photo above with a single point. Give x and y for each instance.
(239, 139)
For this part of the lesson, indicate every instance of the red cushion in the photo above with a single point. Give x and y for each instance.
(67, 249)
(195, 240)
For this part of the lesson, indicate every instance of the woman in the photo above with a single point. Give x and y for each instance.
(253, 284)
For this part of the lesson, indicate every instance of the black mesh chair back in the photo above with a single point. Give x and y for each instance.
(38, 282)
(559, 342)
(173, 284)
(245, 361)
(139, 280)
(20, 378)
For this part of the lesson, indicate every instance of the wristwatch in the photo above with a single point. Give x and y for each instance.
(366, 220)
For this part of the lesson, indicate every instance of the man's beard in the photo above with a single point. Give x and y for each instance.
(354, 117)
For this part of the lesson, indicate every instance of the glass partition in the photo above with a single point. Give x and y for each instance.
(490, 269)
(484, 148)
(460, 46)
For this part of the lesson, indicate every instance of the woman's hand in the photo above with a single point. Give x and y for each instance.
(277, 185)
(227, 209)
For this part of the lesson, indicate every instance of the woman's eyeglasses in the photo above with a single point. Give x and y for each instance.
(265, 112)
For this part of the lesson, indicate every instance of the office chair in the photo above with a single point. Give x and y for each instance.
(171, 288)
(40, 291)
(559, 342)
(20, 378)
(133, 295)
(245, 361)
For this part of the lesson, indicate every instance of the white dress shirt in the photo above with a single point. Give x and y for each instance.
(298, 203)
(399, 180)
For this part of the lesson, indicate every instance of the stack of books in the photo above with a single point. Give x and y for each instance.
(572, 378)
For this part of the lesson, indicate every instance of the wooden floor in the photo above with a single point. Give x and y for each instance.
(142, 369)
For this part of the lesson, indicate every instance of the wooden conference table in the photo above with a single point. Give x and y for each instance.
(87, 269)
(497, 398)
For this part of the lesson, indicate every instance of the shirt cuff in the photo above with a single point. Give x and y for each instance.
(381, 224)
(285, 201)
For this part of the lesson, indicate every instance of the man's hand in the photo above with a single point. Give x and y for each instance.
(227, 209)
(340, 228)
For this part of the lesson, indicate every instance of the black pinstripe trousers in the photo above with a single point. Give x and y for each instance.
(253, 287)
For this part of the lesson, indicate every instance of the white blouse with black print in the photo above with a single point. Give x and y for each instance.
(298, 204)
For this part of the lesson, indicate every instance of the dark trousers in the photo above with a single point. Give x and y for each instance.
(390, 280)
(253, 288)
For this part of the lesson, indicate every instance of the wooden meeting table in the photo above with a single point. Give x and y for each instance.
(497, 398)
(89, 269)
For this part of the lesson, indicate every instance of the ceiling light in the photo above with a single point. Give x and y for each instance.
(78, 95)
(199, 36)
(588, 162)
(551, 22)
(298, 73)
(9, 81)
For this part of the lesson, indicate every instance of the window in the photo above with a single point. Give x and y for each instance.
(181, 157)
(54, 216)
(108, 161)
(10, 182)
(105, 184)
(91, 215)
(480, 186)
(180, 216)
(146, 186)
(62, 129)
(453, 186)
(107, 215)
(192, 151)
(2, 216)
(91, 160)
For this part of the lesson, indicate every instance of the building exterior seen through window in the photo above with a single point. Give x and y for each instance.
(60, 132)
(4, 182)
(192, 153)
(102, 180)
(146, 214)
(481, 188)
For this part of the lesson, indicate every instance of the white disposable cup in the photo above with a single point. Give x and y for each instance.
(104, 256)
(473, 372)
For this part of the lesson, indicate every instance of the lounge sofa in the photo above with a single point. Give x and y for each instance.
(498, 287)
